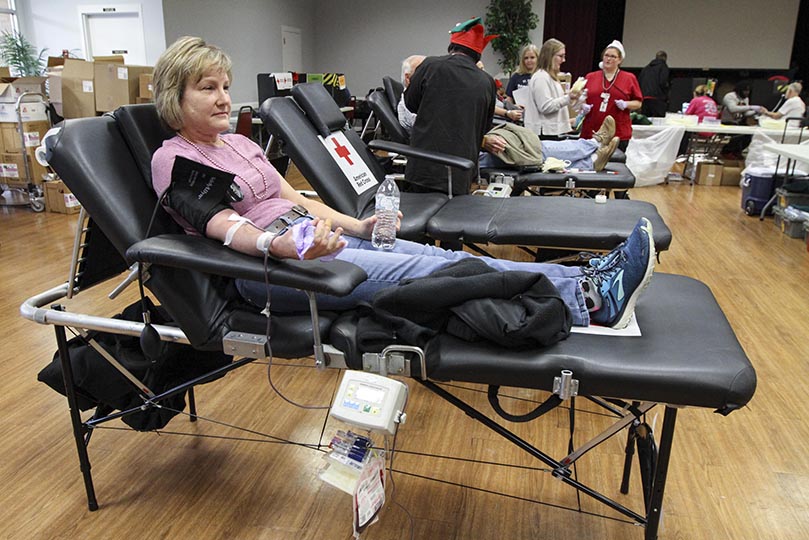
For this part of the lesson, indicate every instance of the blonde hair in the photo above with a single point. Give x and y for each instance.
(187, 59)
(546, 54)
(700, 90)
(522, 69)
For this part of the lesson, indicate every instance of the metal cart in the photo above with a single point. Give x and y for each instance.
(32, 194)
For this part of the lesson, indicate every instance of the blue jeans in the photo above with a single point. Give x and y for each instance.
(409, 260)
(578, 152)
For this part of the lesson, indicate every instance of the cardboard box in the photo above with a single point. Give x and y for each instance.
(112, 59)
(731, 176)
(11, 88)
(30, 112)
(709, 174)
(12, 170)
(12, 167)
(70, 87)
(59, 199)
(37, 171)
(145, 87)
(33, 132)
(116, 85)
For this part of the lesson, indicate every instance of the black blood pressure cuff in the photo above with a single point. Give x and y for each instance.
(198, 192)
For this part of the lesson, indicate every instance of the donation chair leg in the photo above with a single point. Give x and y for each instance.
(647, 459)
(192, 405)
(79, 429)
(559, 470)
(655, 507)
(629, 453)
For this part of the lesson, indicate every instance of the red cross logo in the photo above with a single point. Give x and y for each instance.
(342, 151)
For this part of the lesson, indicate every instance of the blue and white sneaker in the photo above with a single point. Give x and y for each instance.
(604, 261)
(621, 276)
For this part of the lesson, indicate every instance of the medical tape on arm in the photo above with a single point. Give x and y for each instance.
(264, 241)
(240, 220)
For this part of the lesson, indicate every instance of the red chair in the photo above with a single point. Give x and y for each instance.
(244, 121)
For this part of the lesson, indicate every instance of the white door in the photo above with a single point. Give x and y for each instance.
(113, 30)
(291, 48)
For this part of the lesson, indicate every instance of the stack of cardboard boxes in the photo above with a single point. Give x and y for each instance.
(78, 88)
(719, 173)
(711, 172)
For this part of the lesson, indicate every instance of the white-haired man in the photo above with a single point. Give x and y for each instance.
(793, 106)
(409, 65)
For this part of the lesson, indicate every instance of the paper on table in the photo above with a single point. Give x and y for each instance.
(522, 96)
(631, 330)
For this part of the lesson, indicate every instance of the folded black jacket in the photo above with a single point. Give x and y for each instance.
(472, 301)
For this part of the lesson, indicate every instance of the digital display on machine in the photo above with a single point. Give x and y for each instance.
(370, 394)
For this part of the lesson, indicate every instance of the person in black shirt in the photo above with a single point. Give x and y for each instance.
(654, 83)
(454, 102)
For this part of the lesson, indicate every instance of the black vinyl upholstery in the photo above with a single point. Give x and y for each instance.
(614, 176)
(144, 133)
(559, 222)
(531, 221)
(320, 109)
(388, 117)
(619, 156)
(284, 119)
(393, 91)
(687, 355)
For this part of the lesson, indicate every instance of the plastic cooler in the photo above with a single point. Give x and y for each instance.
(758, 187)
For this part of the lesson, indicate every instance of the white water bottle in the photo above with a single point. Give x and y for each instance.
(387, 211)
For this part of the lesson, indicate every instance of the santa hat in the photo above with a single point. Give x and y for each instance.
(470, 34)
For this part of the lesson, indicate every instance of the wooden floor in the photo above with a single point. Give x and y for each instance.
(745, 476)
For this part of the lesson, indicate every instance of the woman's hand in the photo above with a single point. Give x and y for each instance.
(325, 242)
(366, 226)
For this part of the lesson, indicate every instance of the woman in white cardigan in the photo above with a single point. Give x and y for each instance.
(546, 113)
